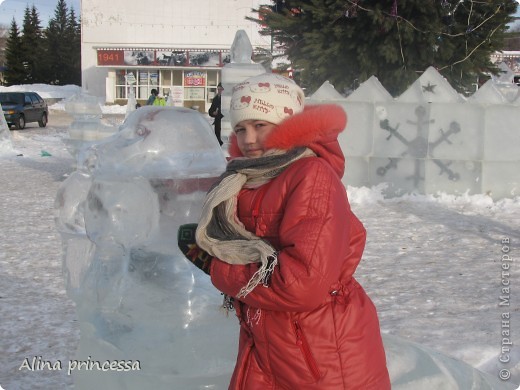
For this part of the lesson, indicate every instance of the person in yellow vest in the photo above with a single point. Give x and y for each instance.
(159, 101)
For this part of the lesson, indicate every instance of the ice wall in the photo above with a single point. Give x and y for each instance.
(139, 302)
(430, 139)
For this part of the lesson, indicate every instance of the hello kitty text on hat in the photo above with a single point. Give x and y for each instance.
(268, 97)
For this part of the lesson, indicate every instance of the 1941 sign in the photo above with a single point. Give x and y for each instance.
(110, 57)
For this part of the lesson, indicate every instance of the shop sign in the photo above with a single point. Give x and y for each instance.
(194, 79)
(163, 58)
(110, 57)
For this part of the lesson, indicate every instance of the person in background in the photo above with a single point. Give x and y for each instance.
(151, 99)
(215, 111)
(159, 101)
(278, 237)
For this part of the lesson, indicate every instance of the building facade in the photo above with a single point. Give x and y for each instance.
(511, 59)
(175, 46)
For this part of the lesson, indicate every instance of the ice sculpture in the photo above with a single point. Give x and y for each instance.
(430, 87)
(240, 68)
(132, 102)
(140, 303)
(370, 91)
(6, 145)
(86, 128)
(492, 93)
(326, 92)
(432, 140)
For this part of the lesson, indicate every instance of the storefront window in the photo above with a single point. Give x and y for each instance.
(145, 80)
(188, 87)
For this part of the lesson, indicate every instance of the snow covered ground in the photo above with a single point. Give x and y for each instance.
(435, 266)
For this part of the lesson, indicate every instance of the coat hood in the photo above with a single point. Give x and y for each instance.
(317, 128)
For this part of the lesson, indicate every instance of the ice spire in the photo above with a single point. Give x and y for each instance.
(241, 49)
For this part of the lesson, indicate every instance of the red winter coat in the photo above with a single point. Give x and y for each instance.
(313, 327)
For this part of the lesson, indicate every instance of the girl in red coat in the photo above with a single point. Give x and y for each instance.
(284, 244)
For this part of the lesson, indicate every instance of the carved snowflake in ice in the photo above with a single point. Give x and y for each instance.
(418, 147)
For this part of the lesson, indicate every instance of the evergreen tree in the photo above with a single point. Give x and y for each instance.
(58, 49)
(32, 46)
(347, 41)
(15, 71)
(73, 60)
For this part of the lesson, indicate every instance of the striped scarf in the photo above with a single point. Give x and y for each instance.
(221, 234)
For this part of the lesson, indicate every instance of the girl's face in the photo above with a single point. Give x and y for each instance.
(251, 135)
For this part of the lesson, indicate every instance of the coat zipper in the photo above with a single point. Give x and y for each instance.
(301, 341)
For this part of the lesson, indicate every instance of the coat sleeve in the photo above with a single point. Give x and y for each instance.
(317, 238)
(213, 107)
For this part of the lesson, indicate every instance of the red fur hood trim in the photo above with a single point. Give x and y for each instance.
(317, 128)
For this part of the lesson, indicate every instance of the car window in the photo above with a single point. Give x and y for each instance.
(11, 98)
(34, 98)
(27, 99)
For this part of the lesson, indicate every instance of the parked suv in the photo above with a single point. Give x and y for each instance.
(24, 107)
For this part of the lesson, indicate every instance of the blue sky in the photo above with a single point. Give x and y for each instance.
(16, 9)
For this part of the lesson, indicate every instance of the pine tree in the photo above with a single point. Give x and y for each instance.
(57, 45)
(15, 70)
(32, 46)
(347, 41)
(73, 59)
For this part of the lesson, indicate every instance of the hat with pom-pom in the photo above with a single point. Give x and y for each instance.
(268, 97)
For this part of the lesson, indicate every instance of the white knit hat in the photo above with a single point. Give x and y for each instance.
(268, 97)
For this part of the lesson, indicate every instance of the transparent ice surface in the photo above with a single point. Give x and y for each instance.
(403, 175)
(241, 48)
(501, 179)
(6, 144)
(161, 142)
(505, 76)
(430, 87)
(487, 94)
(86, 128)
(493, 92)
(356, 172)
(83, 106)
(236, 73)
(130, 105)
(326, 92)
(370, 90)
(137, 297)
(354, 142)
(401, 130)
(70, 202)
(453, 177)
(457, 132)
(502, 135)
(449, 136)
